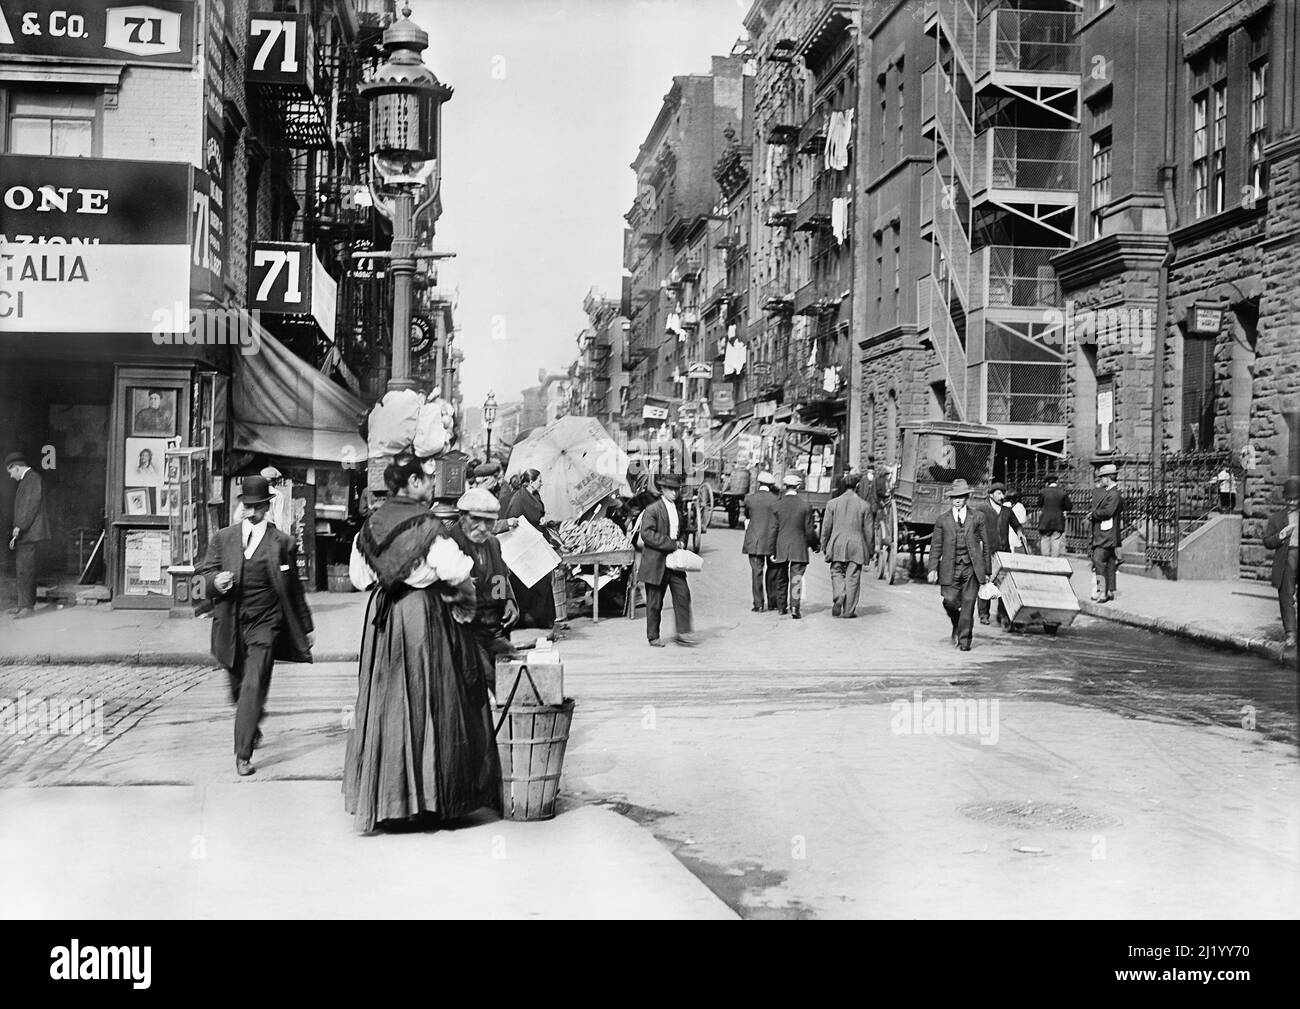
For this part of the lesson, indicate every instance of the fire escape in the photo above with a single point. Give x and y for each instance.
(1002, 105)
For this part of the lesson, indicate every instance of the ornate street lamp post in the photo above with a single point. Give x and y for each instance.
(405, 101)
(489, 418)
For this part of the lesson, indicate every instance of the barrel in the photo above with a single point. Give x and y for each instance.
(531, 743)
(337, 578)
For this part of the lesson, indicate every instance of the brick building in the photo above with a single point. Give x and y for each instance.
(180, 200)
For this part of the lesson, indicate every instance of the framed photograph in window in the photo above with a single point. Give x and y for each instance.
(140, 500)
(152, 413)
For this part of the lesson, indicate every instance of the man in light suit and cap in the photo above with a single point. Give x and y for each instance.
(959, 561)
(760, 543)
(795, 533)
(846, 538)
(1282, 536)
(260, 614)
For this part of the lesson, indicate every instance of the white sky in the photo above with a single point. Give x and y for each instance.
(553, 98)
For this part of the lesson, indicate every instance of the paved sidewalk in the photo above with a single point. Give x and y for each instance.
(1236, 614)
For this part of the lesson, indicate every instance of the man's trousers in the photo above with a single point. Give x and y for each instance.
(250, 680)
(959, 601)
(846, 584)
(763, 582)
(1105, 563)
(25, 569)
(674, 581)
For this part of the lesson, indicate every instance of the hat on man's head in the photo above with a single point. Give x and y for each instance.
(959, 488)
(1291, 487)
(15, 458)
(767, 478)
(271, 473)
(791, 480)
(485, 469)
(851, 480)
(997, 485)
(255, 490)
(480, 503)
(1110, 469)
(669, 480)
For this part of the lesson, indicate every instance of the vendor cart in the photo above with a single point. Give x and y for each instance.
(1036, 590)
(810, 452)
(935, 453)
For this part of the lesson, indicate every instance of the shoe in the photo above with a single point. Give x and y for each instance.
(1290, 641)
(687, 640)
(257, 740)
(756, 609)
(783, 611)
(796, 615)
(244, 767)
(964, 646)
(850, 616)
(954, 635)
(23, 611)
(836, 610)
(656, 643)
(984, 620)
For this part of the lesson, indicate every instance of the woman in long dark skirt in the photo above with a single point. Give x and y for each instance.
(536, 603)
(421, 748)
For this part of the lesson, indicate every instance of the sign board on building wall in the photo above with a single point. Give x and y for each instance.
(1105, 415)
(1206, 319)
(286, 278)
(724, 397)
(652, 412)
(281, 51)
(94, 245)
(160, 32)
(208, 233)
(699, 369)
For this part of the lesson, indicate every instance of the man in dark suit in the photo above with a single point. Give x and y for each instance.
(959, 561)
(260, 614)
(663, 530)
(795, 533)
(1282, 536)
(1107, 510)
(1051, 520)
(846, 533)
(873, 488)
(760, 543)
(30, 528)
(994, 512)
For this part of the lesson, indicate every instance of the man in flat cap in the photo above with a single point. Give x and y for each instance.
(30, 528)
(1106, 515)
(496, 610)
(487, 475)
(260, 614)
(795, 533)
(959, 561)
(1282, 536)
(760, 543)
(663, 530)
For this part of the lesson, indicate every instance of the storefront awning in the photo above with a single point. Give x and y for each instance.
(282, 406)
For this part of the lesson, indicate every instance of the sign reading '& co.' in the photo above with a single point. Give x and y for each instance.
(160, 32)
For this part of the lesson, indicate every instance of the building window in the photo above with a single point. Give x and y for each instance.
(1198, 393)
(51, 123)
(1100, 192)
(1210, 132)
(898, 276)
(1258, 126)
(902, 145)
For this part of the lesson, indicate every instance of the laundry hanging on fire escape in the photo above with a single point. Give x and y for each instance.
(840, 218)
(839, 135)
(674, 325)
(733, 363)
(831, 379)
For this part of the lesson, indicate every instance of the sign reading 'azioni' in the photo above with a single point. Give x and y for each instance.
(91, 245)
(160, 32)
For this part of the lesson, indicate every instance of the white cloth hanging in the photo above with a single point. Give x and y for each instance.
(830, 379)
(840, 218)
(839, 137)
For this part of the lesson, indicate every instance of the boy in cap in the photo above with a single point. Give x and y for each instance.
(260, 614)
(760, 543)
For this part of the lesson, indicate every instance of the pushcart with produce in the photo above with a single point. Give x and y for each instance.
(812, 453)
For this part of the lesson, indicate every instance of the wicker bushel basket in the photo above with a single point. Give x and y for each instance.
(531, 740)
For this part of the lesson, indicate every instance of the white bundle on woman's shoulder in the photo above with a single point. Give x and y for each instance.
(393, 422)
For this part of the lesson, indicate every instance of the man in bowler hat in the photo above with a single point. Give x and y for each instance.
(260, 614)
(1282, 536)
(663, 530)
(30, 528)
(959, 561)
(1107, 509)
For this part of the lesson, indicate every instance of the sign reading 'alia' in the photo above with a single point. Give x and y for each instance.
(160, 32)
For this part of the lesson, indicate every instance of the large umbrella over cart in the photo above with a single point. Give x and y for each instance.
(579, 462)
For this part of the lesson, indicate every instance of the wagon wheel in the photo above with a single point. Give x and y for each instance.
(887, 554)
(706, 507)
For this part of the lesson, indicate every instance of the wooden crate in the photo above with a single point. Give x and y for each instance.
(1036, 589)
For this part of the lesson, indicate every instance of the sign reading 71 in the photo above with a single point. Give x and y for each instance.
(157, 32)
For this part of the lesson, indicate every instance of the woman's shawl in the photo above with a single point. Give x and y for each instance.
(396, 538)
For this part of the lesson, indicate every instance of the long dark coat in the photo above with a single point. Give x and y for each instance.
(795, 531)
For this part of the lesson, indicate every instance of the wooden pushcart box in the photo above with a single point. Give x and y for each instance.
(1036, 589)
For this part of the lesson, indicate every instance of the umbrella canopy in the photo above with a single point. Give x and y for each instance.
(579, 462)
